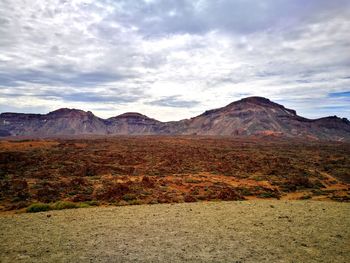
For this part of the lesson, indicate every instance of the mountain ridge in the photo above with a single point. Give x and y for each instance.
(251, 116)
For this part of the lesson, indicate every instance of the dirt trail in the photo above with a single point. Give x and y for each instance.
(248, 231)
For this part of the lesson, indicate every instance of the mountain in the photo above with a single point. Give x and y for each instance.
(260, 116)
(252, 116)
(59, 122)
(132, 123)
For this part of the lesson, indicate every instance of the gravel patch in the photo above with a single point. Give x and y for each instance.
(248, 231)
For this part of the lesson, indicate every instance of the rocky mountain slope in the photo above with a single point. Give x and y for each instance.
(253, 116)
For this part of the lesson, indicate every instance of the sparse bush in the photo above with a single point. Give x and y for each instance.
(297, 182)
(92, 203)
(190, 198)
(83, 205)
(135, 202)
(112, 191)
(317, 192)
(129, 197)
(121, 203)
(305, 197)
(202, 197)
(148, 182)
(268, 195)
(318, 184)
(229, 194)
(245, 191)
(340, 198)
(192, 181)
(64, 205)
(38, 207)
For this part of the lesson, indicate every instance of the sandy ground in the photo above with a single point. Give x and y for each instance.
(248, 231)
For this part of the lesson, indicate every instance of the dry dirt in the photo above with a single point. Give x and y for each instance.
(241, 231)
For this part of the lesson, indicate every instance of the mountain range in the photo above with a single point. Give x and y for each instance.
(252, 116)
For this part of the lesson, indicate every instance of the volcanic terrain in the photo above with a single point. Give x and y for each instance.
(253, 116)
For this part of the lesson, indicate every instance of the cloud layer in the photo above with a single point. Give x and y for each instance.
(174, 59)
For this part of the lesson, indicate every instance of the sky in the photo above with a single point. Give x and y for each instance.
(174, 59)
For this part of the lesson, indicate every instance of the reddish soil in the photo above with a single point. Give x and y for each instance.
(153, 169)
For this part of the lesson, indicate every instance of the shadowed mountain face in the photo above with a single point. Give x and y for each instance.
(253, 116)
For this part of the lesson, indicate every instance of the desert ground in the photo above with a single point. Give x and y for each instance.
(233, 231)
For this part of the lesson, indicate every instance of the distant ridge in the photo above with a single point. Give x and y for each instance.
(252, 116)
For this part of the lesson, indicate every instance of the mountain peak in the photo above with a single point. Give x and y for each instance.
(64, 110)
(256, 99)
(132, 115)
(69, 112)
(262, 102)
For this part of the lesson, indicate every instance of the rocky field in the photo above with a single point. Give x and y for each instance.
(125, 170)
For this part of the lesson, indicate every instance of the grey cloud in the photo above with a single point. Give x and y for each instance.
(174, 101)
(107, 95)
(25, 109)
(98, 97)
(62, 77)
(240, 16)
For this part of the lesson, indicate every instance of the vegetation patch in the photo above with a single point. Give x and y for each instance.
(167, 170)
(38, 207)
(60, 205)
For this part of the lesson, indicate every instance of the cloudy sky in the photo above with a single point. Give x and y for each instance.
(174, 59)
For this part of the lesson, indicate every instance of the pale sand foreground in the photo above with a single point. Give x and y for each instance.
(249, 231)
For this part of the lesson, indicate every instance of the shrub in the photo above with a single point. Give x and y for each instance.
(297, 182)
(245, 191)
(121, 203)
(135, 202)
(318, 184)
(148, 182)
(64, 205)
(83, 205)
(305, 197)
(317, 192)
(269, 195)
(189, 199)
(192, 181)
(340, 198)
(153, 202)
(92, 203)
(38, 207)
(129, 197)
(112, 191)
